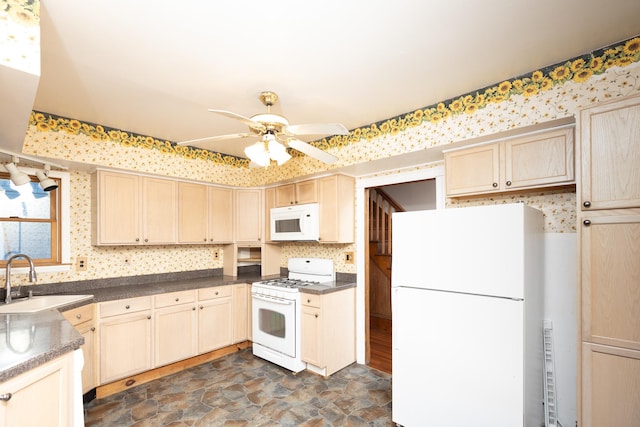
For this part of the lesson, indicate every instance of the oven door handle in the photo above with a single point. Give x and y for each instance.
(273, 300)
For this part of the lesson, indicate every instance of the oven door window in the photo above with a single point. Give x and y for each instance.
(274, 324)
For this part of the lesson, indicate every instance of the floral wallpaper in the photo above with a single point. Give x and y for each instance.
(556, 92)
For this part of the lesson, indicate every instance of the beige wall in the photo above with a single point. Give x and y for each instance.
(79, 142)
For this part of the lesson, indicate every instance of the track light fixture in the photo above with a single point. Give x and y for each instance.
(46, 183)
(17, 176)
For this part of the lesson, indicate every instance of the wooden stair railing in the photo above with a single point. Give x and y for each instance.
(381, 206)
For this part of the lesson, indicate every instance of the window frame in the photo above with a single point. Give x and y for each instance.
(62, 263)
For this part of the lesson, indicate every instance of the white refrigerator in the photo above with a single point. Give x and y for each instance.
(467, 304)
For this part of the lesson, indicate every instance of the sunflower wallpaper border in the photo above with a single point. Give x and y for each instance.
(577, 70)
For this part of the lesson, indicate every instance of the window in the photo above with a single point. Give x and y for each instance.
(29, 222)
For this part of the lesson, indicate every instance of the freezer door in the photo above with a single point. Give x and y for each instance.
(479, 250)
(457, 360)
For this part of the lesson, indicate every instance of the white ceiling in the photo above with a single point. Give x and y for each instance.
(155, 67)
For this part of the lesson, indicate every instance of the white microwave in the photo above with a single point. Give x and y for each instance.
(296, 223)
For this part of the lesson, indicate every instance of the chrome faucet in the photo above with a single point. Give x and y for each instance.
(7, 283)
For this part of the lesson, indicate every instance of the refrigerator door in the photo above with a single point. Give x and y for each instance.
(457, 359)
(478, 250)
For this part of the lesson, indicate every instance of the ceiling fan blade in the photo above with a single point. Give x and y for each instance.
(246, 120)
(312, 151)
(218, 138)
(316, 129)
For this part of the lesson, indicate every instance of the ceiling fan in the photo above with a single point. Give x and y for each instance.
(275, 135)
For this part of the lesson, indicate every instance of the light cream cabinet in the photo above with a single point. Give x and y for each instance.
(297, 193)
(328, 330)
(269, 202)
(83, 319)
(192, 213)
(221, 213)
(175, 327)
(240, 307)
(336, 198)
(129, 209)
(125, 331)
(541, 160)
(42, 396)
(215, 308)
(249, 215)
(609, 272)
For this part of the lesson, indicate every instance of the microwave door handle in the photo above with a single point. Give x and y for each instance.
(275, 301)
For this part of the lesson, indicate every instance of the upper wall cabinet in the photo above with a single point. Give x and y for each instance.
(336, 197)
(542, 160)
(132, 210)
(250, 216)
(297, 193)
(610, 155)
(205, 213)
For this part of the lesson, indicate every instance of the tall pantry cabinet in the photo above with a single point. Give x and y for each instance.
(609, 272)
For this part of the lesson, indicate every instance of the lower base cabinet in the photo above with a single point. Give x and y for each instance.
(610, 386)
(42, 396)
(214, 318)
(83, 319)
(125, 329)
(175, 327)
(328, 331)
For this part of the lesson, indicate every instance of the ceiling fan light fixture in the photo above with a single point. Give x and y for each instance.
(258, 154)
(278, 152)
(262, 152)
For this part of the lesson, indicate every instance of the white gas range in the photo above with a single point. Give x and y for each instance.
(276, 311)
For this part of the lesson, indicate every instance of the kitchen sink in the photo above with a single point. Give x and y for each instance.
(39, 303)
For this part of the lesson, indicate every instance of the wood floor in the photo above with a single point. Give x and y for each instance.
(380, 344)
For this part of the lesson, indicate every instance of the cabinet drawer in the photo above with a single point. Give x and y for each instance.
(310, 300)
(212, 293)
(79, 315)
(132, 305)
(174, 298)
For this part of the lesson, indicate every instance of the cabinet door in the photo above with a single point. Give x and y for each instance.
(539, 160)
(214, 324)
(285, 195)
(159, 211)
(306, 192)
(240, 318)
(610, 268)
(42, 396)
(220, 215)
(118, 209)
(269, 202)
(610, 155)
(88, 332)
(125, 346)
(192, 213)
(249, 216)
(311, 336)
(175, 333)
(336, 198)
(473, 170)
(610, 386)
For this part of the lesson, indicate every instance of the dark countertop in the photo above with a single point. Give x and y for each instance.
(30, 340)
(49, 335)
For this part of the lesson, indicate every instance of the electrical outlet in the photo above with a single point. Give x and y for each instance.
(81, 263)
(216, 254)
(348, 257)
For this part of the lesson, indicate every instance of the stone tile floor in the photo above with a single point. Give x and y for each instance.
(243, 390)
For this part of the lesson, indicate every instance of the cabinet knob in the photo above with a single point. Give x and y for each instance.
(201, 307)
(316, 316)
(508, 183)
(211, 240)
(205, 239)
(146, 240)
(586, 204)
(291, 202)
(5, 397)
(78, 316)
(216, 292)
(177, 299)
(148, 317)
(495, 185)
(586, 222)
(127, 307)
(194, 309)
(137, 239)
(308, 301)
(93, 329)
